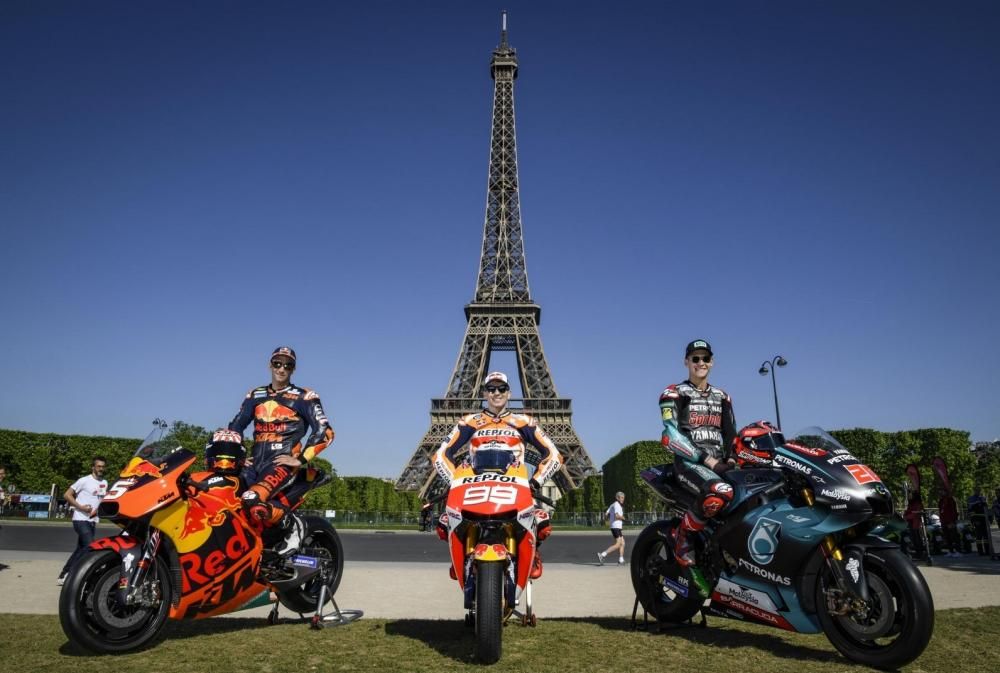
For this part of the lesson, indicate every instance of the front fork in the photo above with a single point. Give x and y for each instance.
(851, 591)
(471, 540)
(133, 574)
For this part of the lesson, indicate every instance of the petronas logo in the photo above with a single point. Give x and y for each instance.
(763, 540)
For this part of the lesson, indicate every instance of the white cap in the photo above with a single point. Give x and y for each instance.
(495, 376)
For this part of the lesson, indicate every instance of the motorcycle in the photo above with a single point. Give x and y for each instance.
(493, 525)
(186, 551)
(798, 549)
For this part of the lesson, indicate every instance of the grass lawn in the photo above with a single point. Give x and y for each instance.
(965, 641)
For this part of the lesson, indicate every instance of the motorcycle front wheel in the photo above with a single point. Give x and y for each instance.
(90, 614)
(665, 589)
(489, 610)
(322, 542)
(900, 616)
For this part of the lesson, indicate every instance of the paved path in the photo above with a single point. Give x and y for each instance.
(423, 590)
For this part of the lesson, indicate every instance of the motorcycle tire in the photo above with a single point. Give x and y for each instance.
(489, 610)
(659, 581)
(901, 619)
(322, 541)
(90, 616)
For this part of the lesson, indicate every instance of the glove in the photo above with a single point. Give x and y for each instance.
(722, 467)
(535, 486)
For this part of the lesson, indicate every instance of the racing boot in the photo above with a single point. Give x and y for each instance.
(684, 552)
(294, 532)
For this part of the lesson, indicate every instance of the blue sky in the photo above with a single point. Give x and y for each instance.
(184, 186)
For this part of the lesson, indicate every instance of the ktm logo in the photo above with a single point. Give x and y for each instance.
(272, 412)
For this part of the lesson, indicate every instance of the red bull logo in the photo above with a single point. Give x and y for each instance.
(137, 467)
(272, 412)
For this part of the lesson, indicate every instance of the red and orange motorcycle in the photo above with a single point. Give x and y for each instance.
(493, 526)
(186, 551)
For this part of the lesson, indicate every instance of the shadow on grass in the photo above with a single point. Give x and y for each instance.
(180, 630)
(449, 638)
(454, 640)
(717, 635)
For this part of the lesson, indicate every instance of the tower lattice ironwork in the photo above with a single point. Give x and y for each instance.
(502, 316)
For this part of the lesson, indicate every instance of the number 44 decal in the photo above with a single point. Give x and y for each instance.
(501, 495)
(862, 473)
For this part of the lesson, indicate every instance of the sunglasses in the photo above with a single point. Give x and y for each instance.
(701, 358)
(497, 389)
(275, 364)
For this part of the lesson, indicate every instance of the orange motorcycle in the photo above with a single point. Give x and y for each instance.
(186, 551)
(493, 526)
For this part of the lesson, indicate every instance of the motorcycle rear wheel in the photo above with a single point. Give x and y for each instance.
(901, 618)
(489, 610)
(89, 612)
(666, 590)
(321, 540)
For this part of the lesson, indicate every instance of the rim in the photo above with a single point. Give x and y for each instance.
(103, 616)
(660, 573)
(886, 618)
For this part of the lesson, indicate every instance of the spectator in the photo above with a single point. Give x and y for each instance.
(3, 494)
(914, 518)
(616, 516)
(948, 511)
(84, 496)
(976, 505)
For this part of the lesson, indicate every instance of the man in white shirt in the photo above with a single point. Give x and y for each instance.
(616, 515)
(83, 497)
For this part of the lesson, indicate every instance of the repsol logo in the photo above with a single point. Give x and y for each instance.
(496, 432)
(502, 478)
(766, 574)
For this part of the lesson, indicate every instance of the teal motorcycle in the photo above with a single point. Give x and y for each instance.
(799, 549)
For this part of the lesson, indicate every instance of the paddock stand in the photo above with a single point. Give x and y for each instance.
(337, 617)
(656, 626)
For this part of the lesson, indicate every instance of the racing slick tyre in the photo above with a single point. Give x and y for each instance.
(666, 589)
(322, 542)
(899, 618)
(90, 614)
(489, 610)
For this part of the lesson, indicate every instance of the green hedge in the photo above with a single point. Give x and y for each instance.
(621, 473)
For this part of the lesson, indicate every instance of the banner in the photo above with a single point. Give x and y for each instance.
(914, 474)
(941, 470)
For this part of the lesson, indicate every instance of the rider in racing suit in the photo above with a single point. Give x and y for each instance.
(495, 427)
(281, 414)
(698, 427)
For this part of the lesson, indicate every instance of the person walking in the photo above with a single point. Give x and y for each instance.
(616, 515)
(84, 496)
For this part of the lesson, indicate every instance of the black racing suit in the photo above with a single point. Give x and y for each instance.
(281, 419)
(698, 424)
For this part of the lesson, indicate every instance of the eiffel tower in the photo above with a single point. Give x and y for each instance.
(502, 317)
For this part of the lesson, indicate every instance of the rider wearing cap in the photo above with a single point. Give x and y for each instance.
(698, 427)
(282, 414)
(496, 427)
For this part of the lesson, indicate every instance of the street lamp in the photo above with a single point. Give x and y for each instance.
(767, 367)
